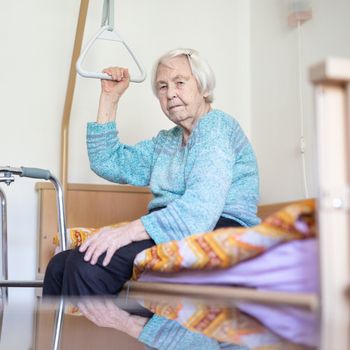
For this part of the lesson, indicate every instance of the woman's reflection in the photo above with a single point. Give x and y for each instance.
(105, 313)
(189, 325)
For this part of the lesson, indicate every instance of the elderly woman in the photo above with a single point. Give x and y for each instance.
(202, 172)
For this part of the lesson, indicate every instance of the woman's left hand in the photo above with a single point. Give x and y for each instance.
(109, 239)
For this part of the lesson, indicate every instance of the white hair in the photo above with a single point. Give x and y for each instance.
(201, 70)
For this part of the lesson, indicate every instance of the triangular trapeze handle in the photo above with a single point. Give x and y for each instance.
(108, 33)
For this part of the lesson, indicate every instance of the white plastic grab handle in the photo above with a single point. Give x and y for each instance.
(108, 33)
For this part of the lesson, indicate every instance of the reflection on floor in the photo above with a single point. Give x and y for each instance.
(140, 320)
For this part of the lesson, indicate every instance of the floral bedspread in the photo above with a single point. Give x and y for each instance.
(227, 247)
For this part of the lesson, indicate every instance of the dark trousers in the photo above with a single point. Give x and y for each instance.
(69, 274)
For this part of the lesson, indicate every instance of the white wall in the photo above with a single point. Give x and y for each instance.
(275, 104)
(36, 42)
(36, 45)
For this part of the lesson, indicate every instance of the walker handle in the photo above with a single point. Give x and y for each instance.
(35, 173)
(108, 33)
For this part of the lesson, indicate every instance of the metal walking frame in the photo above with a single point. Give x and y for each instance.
(7, 175)
(4, 267)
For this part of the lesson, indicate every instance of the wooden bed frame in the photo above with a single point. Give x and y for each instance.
(98, 205)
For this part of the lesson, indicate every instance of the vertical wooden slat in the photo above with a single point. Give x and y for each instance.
(332, 123)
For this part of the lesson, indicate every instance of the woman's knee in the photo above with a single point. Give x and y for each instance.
(57, 263)
(76, 266)
(83, 278)
(54, 274)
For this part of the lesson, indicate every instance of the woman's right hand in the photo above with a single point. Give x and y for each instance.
(118, 85)
(111, 91)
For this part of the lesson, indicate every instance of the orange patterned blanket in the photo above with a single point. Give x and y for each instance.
(226, 247)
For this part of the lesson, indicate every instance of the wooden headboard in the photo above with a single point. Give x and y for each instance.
(87, 205)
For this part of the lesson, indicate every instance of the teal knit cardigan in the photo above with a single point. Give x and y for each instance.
(215, 174)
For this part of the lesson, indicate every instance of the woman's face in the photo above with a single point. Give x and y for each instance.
(178, 92)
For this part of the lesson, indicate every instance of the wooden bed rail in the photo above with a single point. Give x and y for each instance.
(331, 79)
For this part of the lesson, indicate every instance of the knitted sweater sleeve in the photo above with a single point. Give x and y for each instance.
(115, 161)
(163, 334)
(208, 178)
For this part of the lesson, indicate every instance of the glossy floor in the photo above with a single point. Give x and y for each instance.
(147, 321)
